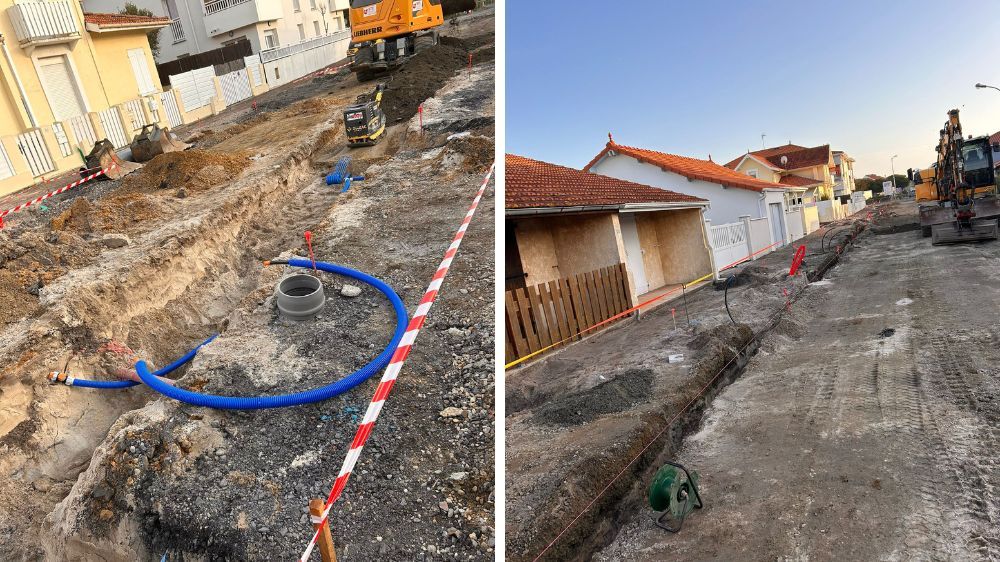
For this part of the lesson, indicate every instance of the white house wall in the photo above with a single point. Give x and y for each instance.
(727, 204)
(197, 40)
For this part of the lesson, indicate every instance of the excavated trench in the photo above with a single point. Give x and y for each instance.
(653, 440)
(176, 283)
(170, 290)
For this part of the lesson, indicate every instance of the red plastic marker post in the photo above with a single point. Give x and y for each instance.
(470, 63)
(800, 254)
(420, 112)
(309, 244)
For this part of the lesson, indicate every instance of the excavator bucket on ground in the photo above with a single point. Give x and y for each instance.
(955, 232)
(102, 157)
(153, 141)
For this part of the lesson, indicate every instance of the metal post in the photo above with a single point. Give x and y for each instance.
(325, 540)
(684, 294)
(893, 166)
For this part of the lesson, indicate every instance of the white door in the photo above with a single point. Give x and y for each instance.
(777, 223)
(60, 88)
(633, 252)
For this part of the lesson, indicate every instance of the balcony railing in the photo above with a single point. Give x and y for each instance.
(177, 30)
(215, 6)
(43, 22)
(223, 16)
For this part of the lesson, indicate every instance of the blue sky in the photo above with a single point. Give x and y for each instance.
(872, 78)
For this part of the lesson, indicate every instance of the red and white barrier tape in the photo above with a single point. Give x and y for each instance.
(65, 188)
(395, 364)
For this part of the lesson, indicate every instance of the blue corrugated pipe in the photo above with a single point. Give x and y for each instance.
(298, 398)
(106, 385)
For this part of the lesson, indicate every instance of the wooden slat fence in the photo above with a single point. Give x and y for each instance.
(541, 315)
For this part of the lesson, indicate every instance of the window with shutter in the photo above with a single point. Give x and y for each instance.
(60, 87)
(140, 69)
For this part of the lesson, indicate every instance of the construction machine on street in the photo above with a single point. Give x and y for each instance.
(364, 120)
(963, 205)
(386, 33)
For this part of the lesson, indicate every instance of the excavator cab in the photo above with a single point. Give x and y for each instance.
(385, 32)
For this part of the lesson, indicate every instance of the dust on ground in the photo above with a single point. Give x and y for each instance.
(554, 470)
(871, 434)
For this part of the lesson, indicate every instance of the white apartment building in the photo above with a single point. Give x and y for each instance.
(843, 178)
(203, 25)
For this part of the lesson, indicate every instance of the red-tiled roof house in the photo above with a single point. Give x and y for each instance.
(562, 222)
(771, 208)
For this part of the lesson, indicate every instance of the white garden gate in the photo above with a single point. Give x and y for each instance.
(235, 86)
(113, 127)
(170, 106)
(729, 243)
(197, 87)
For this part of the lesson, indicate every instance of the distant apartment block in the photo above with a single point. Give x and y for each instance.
(197, 26)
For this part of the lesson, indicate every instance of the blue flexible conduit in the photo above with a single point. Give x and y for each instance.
(306, 397)
(162, 372)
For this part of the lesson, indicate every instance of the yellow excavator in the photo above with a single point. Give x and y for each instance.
(386, 33)
(963, 207)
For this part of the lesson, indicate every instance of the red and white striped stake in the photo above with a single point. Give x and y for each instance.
(392, 371)
(470, 63)
(65, 188)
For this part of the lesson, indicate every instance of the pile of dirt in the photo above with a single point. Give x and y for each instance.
(479, 152)
(625, 390)
(194, 170)
(450, 7)
(29, 263)
(76, 217)
(423, 75)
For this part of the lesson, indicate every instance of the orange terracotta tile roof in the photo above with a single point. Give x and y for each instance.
(995, 137)
(796, 156)
(692, 168)
(533, 184)
(123, 21)
(798, 181)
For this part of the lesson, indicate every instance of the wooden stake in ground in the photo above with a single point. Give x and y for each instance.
(325, 540)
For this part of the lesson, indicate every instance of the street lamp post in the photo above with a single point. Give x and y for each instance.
(893, 166)
(981, 86)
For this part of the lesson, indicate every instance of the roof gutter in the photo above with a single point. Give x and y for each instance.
(98, 28)
(626, 207)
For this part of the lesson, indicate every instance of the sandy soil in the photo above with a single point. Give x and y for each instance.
(195, 231)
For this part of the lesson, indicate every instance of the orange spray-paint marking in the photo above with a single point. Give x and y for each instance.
(309, 244)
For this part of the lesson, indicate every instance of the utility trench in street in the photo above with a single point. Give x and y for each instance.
(866, 428)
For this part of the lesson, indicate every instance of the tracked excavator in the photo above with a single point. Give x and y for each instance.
(963, 205)
(385, 34)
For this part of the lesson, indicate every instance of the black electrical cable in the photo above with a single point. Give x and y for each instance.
(729, 281)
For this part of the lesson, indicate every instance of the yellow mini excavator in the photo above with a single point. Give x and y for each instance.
(385, 33)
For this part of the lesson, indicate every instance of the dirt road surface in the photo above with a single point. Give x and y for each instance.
(149, 266)
(872, 434)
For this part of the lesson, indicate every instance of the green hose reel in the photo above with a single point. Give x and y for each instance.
(674, 493)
